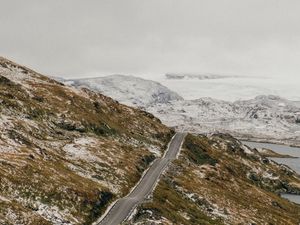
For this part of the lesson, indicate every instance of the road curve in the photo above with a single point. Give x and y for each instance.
(124, 206)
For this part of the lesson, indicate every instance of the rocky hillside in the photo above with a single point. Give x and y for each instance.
(65, 153)
(217, 180)
(129, 90)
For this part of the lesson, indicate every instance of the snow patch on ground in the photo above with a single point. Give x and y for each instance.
(7, 145)
(79, 149)
(53, 214)
(270, 176)
(247, 150)
(155, 150)
(3, 199)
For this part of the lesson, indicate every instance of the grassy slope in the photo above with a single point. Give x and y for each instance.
(210, 184)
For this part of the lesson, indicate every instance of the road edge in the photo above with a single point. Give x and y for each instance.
(111, 206)
(163, 171)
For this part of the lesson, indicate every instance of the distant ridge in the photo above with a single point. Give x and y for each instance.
(207, 76)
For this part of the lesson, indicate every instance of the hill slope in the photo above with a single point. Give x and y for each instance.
(65, 154)
(216, 181)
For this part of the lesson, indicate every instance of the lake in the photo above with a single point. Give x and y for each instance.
(293, 163)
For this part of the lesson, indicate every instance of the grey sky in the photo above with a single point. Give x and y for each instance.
(84, 38)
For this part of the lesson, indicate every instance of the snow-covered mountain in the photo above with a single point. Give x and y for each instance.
(129, 90)
(264, 118)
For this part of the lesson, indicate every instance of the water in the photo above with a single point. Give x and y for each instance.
(293, 163)
(293, 198)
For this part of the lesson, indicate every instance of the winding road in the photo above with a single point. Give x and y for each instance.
(124, 206)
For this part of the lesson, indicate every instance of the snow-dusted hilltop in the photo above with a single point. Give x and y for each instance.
(129, 90)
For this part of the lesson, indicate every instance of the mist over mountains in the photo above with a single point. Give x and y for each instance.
(226, 87)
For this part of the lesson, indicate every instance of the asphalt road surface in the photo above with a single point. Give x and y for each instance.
(124, 206)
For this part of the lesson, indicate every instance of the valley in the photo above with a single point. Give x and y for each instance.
(143, 112)
(69, 152)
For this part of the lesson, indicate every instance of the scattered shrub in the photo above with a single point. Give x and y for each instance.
(197, 154)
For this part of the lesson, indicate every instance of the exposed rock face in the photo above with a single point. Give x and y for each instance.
(65, 153)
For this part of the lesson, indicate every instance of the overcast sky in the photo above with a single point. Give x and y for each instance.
(74, 38)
